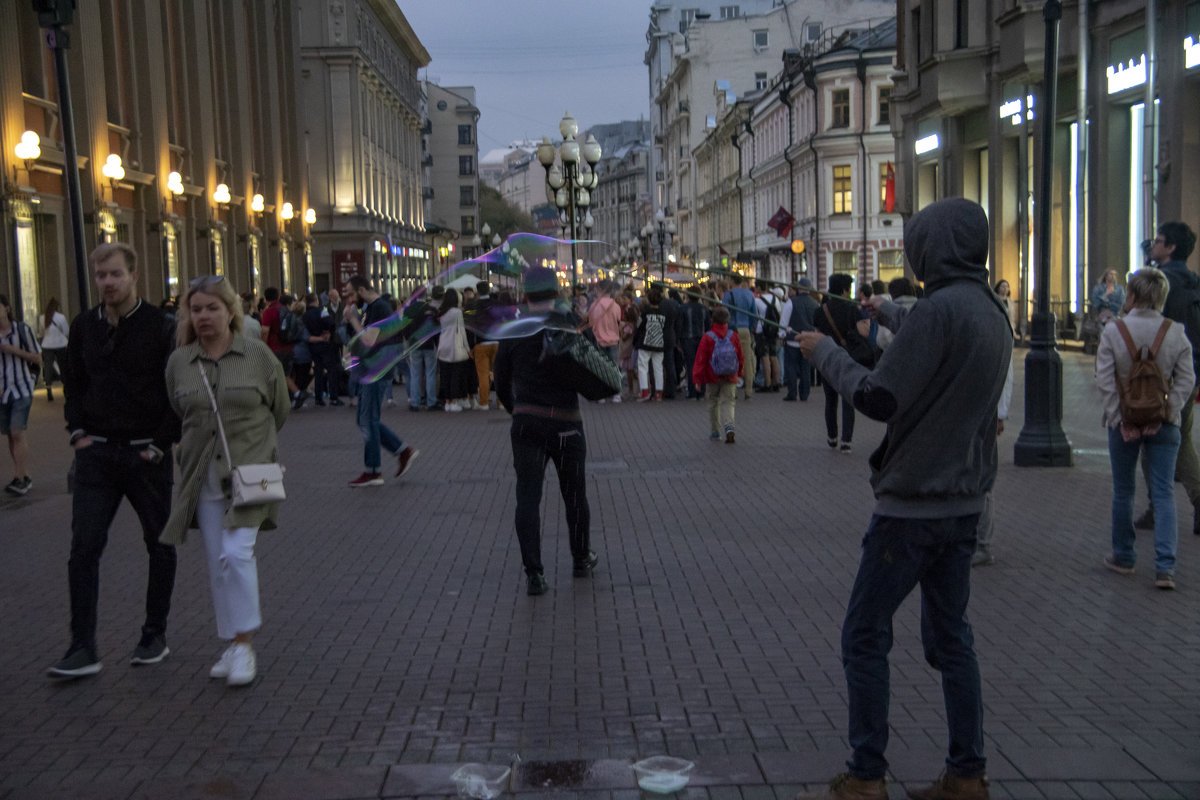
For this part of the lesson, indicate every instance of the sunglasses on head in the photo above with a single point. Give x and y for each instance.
(205, 281)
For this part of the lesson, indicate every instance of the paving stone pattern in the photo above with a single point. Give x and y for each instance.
(399, 642)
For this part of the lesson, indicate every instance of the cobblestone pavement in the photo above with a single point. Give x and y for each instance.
(399, 642)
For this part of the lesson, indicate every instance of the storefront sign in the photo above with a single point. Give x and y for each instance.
(347, 264)
(1126, 76)
(1191, 53)
(927, 144)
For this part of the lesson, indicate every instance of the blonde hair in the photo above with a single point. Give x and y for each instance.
(1147, 288)
(106, 251)
(217, 287)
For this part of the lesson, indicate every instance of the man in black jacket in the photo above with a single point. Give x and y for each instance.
(122, 428)
(546, 425)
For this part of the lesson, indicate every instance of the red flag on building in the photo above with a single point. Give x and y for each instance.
(889, 189)
(782, 222)
(722, 250)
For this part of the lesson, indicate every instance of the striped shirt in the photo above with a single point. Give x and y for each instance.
(16, 381)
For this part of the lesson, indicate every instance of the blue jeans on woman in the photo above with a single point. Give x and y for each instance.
(1161, 449)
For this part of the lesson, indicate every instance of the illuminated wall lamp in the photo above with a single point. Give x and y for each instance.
(221, 195)
(287, 212)
(175, 184)
(256, 204)
(28, 150)
(310, 216)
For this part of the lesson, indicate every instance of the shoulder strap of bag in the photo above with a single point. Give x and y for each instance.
(1158, 340)
(833, 325)
(1129, 345)
(213, 399)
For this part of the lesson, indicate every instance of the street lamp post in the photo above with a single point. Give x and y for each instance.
(1042, 442)
(569, 187)
(665, 228)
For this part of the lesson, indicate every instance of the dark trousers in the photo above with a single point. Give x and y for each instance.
(690, 346)
(796, 373)
(323, 371)
(831, 410)
(897, 556)
(535, 441)
(670, 374)
(104, 474)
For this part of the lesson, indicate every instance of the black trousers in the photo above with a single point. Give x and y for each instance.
(323, 370)
(690, 346)
(670, 373)
(832, 398)
(536, 440)
(105, 473)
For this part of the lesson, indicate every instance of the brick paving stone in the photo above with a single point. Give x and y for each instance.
(397, 633)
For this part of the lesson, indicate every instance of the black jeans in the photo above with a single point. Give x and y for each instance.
(104, 474)
(670, 374)
(796, 373)
(690, 346)
(831, 410)
(535, 441)
(322, 363)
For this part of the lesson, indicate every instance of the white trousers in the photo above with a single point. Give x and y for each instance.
(647, 360)
(232, 571)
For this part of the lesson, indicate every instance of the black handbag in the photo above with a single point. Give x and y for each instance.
(585, 369)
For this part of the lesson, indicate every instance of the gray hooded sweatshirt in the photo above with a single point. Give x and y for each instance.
(938, 383)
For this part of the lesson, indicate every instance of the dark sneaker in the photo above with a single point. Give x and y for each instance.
(336, 402)
(848, 787)
(832, 443)
(1146, 521)
(406, 457)
(845, 448)
(951, 787)
(1122, 569)
(1164, 580)
(79, 662)
(584, 568)
(150, 650)
(982, 557)
(367, 479)
(19, 486)
(537, 584)
(729, 437)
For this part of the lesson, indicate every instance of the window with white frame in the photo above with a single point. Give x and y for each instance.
(760, 80)
(760, 40)
(730, 12)
(885, 105)
(891, 264)
(686, 15)
(841, 109)
(841, 189)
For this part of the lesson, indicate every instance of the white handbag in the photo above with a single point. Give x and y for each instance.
(252, 484)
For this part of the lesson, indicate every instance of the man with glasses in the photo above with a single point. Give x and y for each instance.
(122, 429)
(1170, 251)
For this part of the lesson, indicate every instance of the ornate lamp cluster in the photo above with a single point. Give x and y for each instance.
(570, 185)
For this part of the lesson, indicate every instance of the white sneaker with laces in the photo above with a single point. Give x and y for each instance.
(221, 668)
(243, 665)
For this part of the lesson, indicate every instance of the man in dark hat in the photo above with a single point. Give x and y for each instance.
(546, 426)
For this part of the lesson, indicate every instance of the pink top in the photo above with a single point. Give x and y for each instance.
(605, 316)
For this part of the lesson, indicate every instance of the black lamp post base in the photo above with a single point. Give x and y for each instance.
(1042, 442)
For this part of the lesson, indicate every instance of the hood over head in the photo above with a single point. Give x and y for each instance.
(948, 241)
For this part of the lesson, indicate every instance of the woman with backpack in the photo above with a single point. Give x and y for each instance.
(1144, 374)
(719, 364)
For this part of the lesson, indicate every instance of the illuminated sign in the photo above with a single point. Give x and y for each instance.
(1126, 76)
(1191, 53)
(925, 145)
(797, 246)
(1013, 108)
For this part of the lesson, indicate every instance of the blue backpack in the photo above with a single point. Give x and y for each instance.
(724, 359)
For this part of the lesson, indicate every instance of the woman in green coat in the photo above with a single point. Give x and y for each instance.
(250, 391)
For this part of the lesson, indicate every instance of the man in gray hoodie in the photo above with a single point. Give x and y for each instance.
(936, 387)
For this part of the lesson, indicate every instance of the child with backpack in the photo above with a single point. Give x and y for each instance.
(650, 341)
(719, 364)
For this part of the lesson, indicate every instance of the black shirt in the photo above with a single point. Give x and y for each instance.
(522, 378)
(317, 323)
(115, 380)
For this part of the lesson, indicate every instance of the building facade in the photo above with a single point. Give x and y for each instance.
(968, 98)
(183, 114)
(363, 110)
(453, 158)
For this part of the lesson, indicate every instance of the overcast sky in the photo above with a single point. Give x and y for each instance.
(531, 60)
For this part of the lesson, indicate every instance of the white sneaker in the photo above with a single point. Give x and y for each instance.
(221, 668)
(243, 665)
(482, 407)
(453, 407)
(616, 398)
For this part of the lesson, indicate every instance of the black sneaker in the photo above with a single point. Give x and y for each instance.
(584, 568)
(79, 662)
(19, 486)
(150, 650)
(537, 584)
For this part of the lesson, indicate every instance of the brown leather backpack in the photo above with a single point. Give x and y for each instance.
(1144, 391)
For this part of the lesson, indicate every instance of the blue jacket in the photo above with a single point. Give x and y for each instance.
(742, 300)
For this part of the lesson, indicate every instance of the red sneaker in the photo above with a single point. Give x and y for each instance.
(367, 479)
(406, 457)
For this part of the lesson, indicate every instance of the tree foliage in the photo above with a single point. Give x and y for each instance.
(503, 217)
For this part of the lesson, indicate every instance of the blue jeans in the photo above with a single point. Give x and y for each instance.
(422, 362)
(1161, 450)
(898, 555)
(375, 433)
(796, 372)
(832, 398)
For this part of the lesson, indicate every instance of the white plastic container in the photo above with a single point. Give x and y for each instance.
(480, 781)
(663, 774)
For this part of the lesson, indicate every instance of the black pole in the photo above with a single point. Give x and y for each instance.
(59, 41)
(1042, 442)
(662, 256)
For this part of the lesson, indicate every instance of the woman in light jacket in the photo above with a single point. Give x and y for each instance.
(251, 392)
(53, 330)
(1147, 291)
(453, 354)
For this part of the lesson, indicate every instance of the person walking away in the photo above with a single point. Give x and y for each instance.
(370, 392)
(217, 378)
(1144, 333)
(718, 365)
(627, 356)
(546, 426)
(421, 342)
(669, 307)
(54, 332)
(693, 324)
(319, 326)
(1170, 251)
(122, 428)
(798, 314)
(839, 319)
(454, 361)
(772, 308)
(270, 323)
(650, 340)
(604, 321)
(741, 301)
(936, 387)
(302, 358)
(18, 350)
(483, 348)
